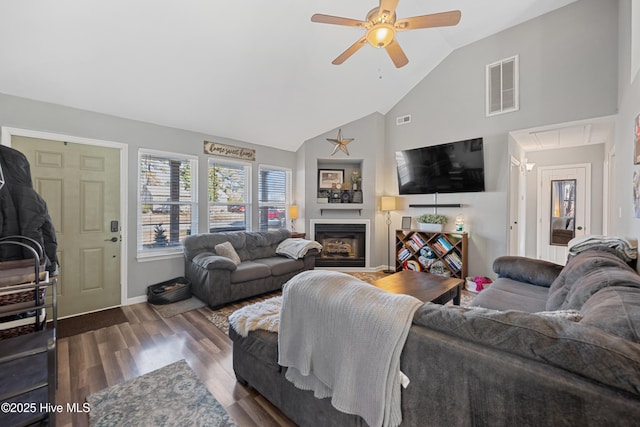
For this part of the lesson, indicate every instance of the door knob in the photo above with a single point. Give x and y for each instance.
(113, 239)
(579, 228)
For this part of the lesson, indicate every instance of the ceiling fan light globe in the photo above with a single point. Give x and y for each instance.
(380, 35)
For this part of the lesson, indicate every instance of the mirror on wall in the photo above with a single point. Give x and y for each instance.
(563, 202)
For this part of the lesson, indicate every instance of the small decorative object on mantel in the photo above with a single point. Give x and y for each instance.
(356, 179)
(340, 143)
(431, 222)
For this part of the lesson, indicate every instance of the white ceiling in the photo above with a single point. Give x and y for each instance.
(252, 70)
(573, 134)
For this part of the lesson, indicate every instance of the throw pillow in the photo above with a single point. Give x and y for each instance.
(226, 250)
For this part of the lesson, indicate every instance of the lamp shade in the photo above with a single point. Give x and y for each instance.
(387, 203)
(293, 212)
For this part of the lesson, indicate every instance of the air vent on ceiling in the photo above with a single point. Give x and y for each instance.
(403, 120)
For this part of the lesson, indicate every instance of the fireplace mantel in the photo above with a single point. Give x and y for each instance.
(338, 208)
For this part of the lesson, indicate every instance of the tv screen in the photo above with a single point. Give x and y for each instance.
(456, 167)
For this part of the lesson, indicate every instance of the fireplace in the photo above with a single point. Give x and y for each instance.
(343, 244)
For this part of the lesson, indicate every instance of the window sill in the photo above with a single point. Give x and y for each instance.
(159, 256)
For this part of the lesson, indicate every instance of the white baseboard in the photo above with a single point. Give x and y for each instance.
(136, 300)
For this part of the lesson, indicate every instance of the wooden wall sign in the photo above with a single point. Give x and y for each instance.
(217, 149)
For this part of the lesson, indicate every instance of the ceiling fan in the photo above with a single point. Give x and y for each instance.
(381, 25)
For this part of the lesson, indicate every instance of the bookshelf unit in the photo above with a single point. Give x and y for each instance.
(417, 249)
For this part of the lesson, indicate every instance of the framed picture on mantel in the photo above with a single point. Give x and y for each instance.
(328, 177)
(406, 222)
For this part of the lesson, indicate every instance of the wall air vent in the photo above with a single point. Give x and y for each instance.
(403, 120)
(502, 87)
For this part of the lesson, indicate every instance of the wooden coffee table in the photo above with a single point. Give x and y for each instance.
(426, 287)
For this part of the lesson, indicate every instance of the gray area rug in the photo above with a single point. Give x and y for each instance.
(173, 309)
(170, 396)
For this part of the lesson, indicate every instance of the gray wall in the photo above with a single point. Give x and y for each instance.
(367, 148)
(568, 71)
(40, 116)
(625, 223)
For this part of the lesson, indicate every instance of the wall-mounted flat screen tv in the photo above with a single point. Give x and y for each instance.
(456, 167)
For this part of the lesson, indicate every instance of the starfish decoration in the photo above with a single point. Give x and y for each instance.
(341, 144)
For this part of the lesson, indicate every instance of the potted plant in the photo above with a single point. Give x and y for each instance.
(431, 222)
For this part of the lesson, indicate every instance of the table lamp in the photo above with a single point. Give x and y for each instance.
(293, 215)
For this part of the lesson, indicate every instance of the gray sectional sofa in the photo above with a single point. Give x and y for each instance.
(217, 280)
(500, 363)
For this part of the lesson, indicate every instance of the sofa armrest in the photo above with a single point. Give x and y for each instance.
(534, 271)
(312, 253)
(209, 261)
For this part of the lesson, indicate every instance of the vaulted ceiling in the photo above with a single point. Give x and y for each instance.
(251, 70)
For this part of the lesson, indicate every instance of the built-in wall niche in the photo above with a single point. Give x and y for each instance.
(340, 181)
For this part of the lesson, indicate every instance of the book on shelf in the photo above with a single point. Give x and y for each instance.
(454, 263)
(445, 243)
(441, 249)
(416, 238)
(403, 254)
(414, 245)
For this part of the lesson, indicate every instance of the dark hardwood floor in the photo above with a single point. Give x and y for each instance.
(98, 359)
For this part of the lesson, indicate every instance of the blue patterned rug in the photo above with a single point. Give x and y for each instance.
(170, 396)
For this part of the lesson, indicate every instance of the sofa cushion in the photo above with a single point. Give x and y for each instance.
(264, 244)
(616, 310)
(280, 265)
(584, 275)
(249, 270)
(225, 249)
(509, 294)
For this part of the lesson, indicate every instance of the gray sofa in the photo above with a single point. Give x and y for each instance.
(504, 365)
(217, 280)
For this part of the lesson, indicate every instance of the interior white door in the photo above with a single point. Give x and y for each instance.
(81, 185)
(563, 209)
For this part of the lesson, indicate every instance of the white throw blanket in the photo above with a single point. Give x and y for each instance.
(260, 315)
(341, 337)
(623, 247)
(296, 248)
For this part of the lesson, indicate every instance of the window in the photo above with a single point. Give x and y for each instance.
(274, 195)
(167, 201)
(502, 86)
(229, 195)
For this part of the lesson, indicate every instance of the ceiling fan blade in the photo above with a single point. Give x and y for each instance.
(350, 51)
(397, 54)
(443, 19)
(387, 7)
(337, 20)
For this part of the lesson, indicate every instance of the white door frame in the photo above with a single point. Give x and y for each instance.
(587, 211)
(608, 198)
(9, 132)
(514, 207)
